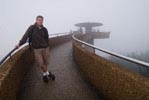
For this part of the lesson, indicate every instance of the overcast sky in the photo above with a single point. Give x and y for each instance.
(128, 20)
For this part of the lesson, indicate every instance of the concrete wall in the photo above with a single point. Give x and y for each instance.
(97, 35)
(112, 80)
(12, 72)
(55, 41)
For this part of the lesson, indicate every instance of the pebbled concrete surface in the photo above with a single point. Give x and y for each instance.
(69, 84)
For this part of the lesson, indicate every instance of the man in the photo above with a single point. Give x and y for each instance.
(38, 39)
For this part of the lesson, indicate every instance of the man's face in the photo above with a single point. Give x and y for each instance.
(39, 21)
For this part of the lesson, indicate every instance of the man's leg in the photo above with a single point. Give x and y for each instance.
(40, 62)
(46, 59)
(45, 70)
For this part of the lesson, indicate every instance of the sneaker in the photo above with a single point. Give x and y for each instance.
(45, 79)
(52, 76)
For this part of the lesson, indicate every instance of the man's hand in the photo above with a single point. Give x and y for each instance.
(17, 46)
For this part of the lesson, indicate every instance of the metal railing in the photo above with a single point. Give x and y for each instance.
(10, 53)
(145, 64)
(15, 49)
(58, 34)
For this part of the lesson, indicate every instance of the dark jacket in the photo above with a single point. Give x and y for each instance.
(39, 37)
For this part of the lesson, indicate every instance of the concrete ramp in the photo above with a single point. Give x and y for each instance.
(69, 84)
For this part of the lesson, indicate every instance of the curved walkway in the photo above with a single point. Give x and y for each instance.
(69, 84)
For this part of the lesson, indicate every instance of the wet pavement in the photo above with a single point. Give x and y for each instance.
(69, 83)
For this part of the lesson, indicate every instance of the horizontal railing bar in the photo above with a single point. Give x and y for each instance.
(9, 54)
(113, 54)
(59, 34)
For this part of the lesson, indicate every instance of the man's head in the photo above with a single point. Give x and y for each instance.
(39, 20)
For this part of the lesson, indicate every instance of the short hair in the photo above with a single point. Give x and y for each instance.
(39, 16)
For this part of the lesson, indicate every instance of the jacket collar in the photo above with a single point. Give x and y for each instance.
(40, 27)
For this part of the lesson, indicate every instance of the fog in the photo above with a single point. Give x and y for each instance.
(127, 20)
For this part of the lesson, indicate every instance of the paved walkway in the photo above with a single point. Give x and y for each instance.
(69, 84)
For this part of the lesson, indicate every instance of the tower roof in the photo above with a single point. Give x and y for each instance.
(88, 24)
